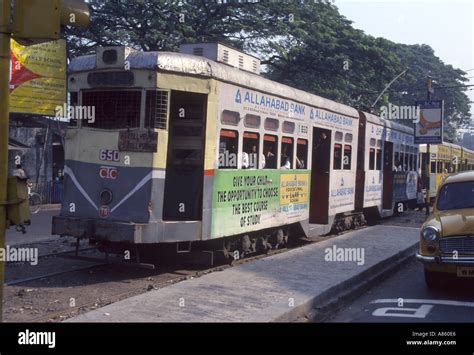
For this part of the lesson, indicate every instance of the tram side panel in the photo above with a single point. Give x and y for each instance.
(257, 181)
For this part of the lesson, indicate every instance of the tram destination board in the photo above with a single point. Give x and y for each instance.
(138, 141)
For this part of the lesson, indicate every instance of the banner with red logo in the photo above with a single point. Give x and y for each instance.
(38, 77)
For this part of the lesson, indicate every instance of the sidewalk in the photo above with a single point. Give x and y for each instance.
(283, 287)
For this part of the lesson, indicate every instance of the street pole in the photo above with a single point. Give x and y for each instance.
(428, 157)
(4, 118)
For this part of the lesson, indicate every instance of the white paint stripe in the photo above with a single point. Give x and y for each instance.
(395, 226)
(69, 172)
(135, 189)
(427, 301)
(158, 174)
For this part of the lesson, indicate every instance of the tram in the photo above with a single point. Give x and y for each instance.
(196, 148)
(445, 159)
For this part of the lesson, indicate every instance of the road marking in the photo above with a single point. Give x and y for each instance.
(396, 226)
(439, 302)
(421, 312)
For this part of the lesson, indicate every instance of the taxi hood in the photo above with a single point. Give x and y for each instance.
(456, 222)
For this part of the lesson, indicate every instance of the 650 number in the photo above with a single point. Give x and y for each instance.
(109, 155)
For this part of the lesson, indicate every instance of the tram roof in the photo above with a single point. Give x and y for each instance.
(387, 123)
(201, 66)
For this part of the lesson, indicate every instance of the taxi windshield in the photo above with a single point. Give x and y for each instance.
(456, 196)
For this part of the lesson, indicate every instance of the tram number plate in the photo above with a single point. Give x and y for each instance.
(465, 271)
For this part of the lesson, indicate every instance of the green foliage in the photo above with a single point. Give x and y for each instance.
(304, 44)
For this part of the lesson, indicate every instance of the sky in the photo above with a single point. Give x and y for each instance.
(445, 25)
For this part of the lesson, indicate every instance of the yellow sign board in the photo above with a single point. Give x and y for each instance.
(38, 77)
(294, 190)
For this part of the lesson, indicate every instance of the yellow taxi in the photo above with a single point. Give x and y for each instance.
(447, 236)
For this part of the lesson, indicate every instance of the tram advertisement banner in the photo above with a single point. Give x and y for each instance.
(38, 77)
(248, 200)
(429, 126)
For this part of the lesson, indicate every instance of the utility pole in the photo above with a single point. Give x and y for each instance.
(428, 154)
(24, 27)
(4, 117)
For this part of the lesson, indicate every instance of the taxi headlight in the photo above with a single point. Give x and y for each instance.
(430, 234)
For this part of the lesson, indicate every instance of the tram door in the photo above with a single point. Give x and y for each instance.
(320, 172)
(183, 191)
(387, 188)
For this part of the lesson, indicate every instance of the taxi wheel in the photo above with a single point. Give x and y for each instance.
(433, 279)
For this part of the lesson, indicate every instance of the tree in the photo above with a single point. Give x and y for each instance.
(304, 44)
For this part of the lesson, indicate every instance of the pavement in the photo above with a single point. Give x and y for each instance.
(290, 286)
(38, 231)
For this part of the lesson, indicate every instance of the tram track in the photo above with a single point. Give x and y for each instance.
(45, 297)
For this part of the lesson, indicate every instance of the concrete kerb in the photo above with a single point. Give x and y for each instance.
(317, 308)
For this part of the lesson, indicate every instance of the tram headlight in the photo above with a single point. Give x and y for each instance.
(106, 197)
(430, 234)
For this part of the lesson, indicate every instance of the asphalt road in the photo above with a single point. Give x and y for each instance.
(39, 230)
(404, 297)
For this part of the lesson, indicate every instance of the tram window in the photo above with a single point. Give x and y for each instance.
(410, 166)
(286, 153)
(337, 161)
(372, 142)
(270, 151)
(405, 166)
(449, 168)
(114, 109)
(372, 159)
(288, 127)
(302, 154)
(347, 161)
(250, 155)
(156, 109)
(401, 165)
(271, 124)
(73, 102)
(433, 167)
(379, 160)
(338, 136)
(228, 148)
(252, 121)
(348, 138)
(230, 117)
(396, 161)
(439, 166)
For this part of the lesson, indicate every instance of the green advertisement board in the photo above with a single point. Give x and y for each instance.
(249, 200)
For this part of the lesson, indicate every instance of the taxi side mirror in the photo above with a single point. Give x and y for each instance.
(18, 209)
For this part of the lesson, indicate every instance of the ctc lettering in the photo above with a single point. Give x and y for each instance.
(107, 172)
